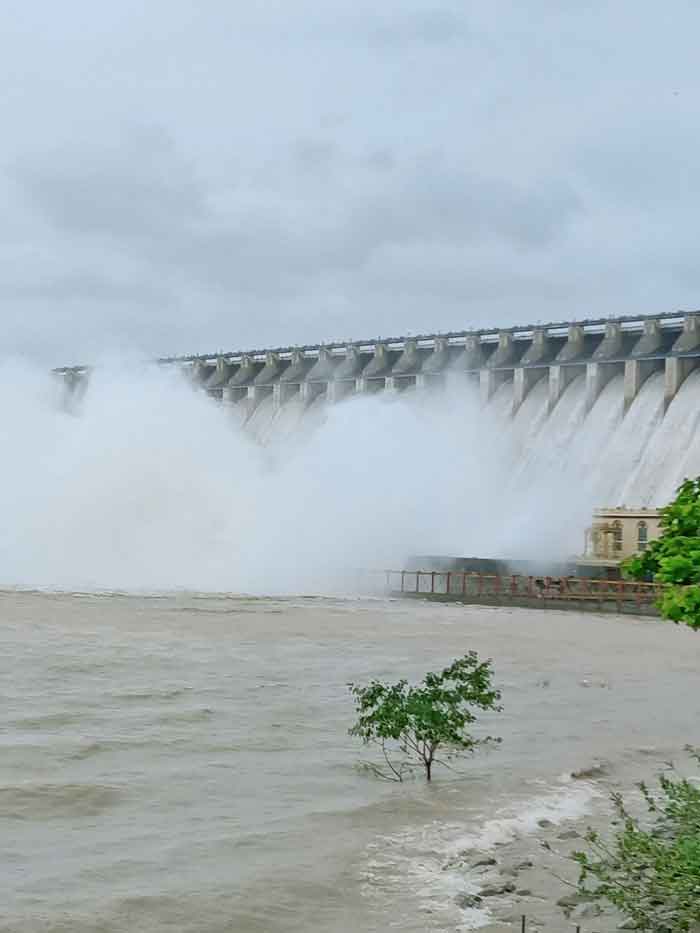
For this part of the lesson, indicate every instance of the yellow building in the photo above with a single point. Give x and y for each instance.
(617, 534)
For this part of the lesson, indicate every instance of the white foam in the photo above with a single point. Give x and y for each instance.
(430, 864)
(516, 820)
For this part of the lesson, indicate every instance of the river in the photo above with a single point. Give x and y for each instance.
(181, 761)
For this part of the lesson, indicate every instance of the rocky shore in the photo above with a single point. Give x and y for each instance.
(531, 874)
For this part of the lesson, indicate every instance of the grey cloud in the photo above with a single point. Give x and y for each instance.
(181, 177)
(160, 213)
(315, 156)
(140, 188)
(435, 25)
(84, 286)
(382, 160)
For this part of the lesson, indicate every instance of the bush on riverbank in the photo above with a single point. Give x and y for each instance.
(650, 871)
(674, 558)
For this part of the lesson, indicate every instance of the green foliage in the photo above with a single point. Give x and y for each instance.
(411, 723)
(674, 559)
(681, 604)
(650, 871)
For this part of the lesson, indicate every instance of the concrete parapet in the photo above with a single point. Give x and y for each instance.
(611, 346)
(575, 346)
(504, 354)
(650, 342)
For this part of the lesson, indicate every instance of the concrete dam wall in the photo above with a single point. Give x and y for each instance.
(512, 436)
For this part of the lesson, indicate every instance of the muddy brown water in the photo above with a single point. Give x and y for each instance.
(181, 762)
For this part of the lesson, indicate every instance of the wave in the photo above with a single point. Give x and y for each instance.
(39, 802)
(433, 861)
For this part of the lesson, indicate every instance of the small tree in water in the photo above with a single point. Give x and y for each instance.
(414, 724)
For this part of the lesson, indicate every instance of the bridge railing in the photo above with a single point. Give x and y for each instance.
(471, 586)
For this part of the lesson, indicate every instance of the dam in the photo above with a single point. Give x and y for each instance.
(496, 443)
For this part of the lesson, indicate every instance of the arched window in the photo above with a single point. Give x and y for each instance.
(642, 536)
(617, 536)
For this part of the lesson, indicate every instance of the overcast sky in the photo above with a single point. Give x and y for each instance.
(191, 175)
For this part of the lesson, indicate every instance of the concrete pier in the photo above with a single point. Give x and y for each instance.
(406, 368)
(499, 366)
(432, 371)
(373, 376)
(292, 379)
(319, 376)
(531, 367)
(683, 358)
(346, 375)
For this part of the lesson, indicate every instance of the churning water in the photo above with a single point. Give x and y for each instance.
(149, 485)
(182, 762)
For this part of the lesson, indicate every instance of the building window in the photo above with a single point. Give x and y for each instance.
(642, 536)
(617, 537)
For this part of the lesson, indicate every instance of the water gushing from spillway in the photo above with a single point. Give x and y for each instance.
(150, 485)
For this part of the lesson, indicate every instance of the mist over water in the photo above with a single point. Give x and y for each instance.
(148, 484)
